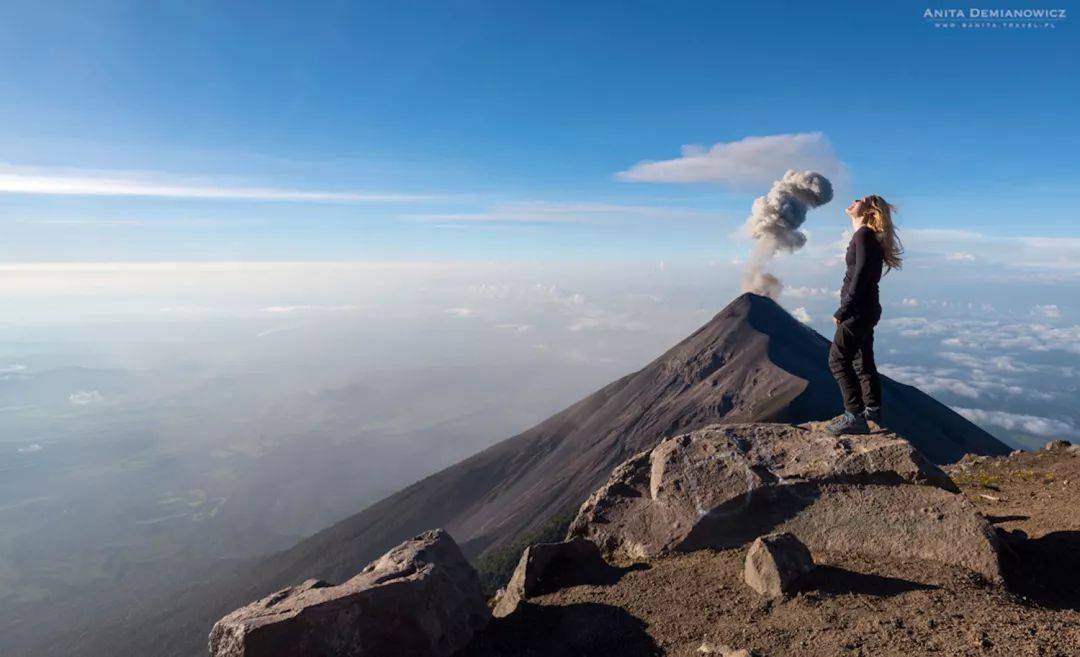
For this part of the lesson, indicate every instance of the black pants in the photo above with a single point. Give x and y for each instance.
(851, 359)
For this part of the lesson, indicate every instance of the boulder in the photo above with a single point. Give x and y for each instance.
(724, 485)
(548, 567)
(777, 564)
(1057, 444)
(420, 599)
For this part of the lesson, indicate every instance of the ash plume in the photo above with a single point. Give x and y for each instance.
(774, 222)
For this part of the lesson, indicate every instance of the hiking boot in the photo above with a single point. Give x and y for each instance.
(872, 414)
(848, 423)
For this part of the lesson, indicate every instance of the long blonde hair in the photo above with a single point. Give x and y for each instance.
(877, 214)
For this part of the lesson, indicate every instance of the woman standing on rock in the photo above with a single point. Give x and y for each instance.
(874, 247)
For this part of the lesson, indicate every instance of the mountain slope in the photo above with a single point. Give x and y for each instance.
(752, 362)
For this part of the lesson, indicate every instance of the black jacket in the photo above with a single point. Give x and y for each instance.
(859, 295)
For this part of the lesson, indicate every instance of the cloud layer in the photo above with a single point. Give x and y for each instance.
(1032, 424)
(747, 163)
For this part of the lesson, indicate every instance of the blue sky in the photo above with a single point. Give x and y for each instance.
(474, 115)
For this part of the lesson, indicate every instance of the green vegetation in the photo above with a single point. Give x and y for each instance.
(496, 566)
(977, 478)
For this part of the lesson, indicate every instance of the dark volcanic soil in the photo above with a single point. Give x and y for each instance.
(688, 604)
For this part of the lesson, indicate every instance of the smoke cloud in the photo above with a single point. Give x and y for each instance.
(774, 222)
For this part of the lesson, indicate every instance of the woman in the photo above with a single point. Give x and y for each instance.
(874, 246)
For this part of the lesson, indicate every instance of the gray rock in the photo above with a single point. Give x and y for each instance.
(548, 567)
(1057, 444)
(421, 598)
(777, 564)
(724, 485)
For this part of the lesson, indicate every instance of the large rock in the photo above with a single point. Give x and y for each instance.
(777, 564)
(421, 598)
(725, 485)
(547, 567)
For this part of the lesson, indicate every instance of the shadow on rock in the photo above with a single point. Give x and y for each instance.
(993, 520)
(744, 518)
(572, 574)
(1046, 570)
(590, 629)
(830, 580)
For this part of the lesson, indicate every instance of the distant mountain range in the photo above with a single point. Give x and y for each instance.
(752, 362)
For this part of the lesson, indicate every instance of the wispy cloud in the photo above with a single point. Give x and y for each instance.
(552, 212)
(1032, 424)
(85, 397)
(461, 313)
(1049, 310)
(275, 330)
(601, 319)
(303, 309)
(931, 382)
(748, 162)
(82, 222)
(1061, 254)
(982, 362)
(78, 182)
(95, 222)
(807, 292)
(983, 335)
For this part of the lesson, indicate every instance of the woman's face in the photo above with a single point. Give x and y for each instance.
(856, 209)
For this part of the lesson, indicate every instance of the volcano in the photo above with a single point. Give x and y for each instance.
(752, 362)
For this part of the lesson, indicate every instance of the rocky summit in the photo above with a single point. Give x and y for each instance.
(747, 539)
(724, 485)
(701, 602)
